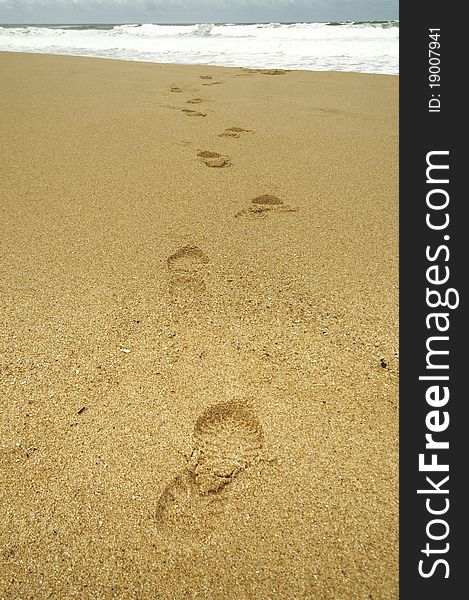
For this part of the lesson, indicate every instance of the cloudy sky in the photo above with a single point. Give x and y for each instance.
(193, 11)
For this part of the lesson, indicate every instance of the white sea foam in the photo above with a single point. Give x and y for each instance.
(359, 47)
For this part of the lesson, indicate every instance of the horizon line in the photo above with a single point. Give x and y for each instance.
(357, 21)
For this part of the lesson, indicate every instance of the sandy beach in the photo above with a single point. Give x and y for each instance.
(198, 332)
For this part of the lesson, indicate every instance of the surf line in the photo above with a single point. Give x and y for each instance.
(440, 299)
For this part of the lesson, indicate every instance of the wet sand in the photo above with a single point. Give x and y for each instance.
(199, 332)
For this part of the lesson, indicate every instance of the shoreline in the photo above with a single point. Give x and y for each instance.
(200, 309)
(127, 60)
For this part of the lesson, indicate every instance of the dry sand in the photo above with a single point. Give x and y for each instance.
(199, 391)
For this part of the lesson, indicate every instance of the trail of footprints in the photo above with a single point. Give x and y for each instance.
(227, 437)
(187, 265)
(227, 440)
(261, 206)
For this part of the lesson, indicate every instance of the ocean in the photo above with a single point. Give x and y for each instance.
(363, 47)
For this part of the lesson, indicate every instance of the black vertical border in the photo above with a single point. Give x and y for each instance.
(420, 133)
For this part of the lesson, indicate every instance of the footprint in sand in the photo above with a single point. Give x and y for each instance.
(214, 159)
(227, 439)
(175, 88)
(206, 76)
(234, 132)
(193, 113)
(187, 266)
(273, 72)
(213, 83)
(176, 502)
(264, 205)
(187, 258)
(253, 212)
(195, 100)
(247, 71)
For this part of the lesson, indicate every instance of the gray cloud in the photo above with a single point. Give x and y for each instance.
(80, 11)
